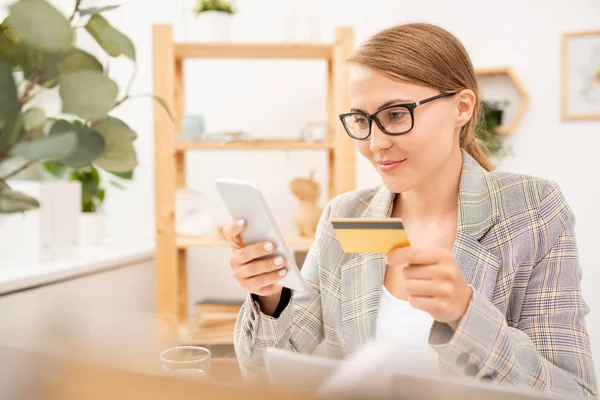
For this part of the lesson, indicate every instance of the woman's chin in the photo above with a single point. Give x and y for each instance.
(397, 184)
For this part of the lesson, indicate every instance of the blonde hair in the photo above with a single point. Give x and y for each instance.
(427, 55)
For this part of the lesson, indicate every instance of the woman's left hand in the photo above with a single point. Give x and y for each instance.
(433, 281)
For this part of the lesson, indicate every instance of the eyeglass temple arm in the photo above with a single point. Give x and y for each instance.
(445, 94)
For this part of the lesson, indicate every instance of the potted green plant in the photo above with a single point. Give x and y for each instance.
(212, 20)
(35, 57)
(490, 118)
(38, 55)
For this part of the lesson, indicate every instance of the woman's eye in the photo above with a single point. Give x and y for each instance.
(397, 115)
(360, 121)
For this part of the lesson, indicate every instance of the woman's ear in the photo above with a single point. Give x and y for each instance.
(465, 105)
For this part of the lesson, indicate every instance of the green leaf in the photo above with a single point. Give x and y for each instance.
(97, 10)
(90, 145)
(164, 106)
(90, 180)
(8, 41)
(33, 62)
(34, 119)
(124, 175)
(79, 60)
(87, 94)
(52, 147)
(7, 51)
(119, 153)
(56, 169)
(111, 40)
(9, 106)
(12, 201)
(40, 25)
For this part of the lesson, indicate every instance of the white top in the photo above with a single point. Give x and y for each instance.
(406, 330)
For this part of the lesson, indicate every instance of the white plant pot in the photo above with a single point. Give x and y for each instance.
(211, 26)
(91, 229)
(46, 234)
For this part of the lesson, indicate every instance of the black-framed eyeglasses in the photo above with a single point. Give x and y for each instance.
(396, 119)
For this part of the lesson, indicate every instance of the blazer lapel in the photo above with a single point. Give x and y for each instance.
(361, 281)
(477, 213)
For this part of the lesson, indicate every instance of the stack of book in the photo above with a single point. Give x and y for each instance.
(214, 321)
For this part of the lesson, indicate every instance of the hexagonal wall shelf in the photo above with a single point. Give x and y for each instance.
(502, 84)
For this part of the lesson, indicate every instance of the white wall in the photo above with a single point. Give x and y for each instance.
(271, 98)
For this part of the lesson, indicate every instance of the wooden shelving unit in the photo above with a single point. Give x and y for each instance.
(185, 145)
(170, 152)
(185, 242)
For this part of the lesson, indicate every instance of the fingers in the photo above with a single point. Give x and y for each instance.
(417, 256)
(420, 272)
(246, 254)
(232, 233)
(259, 267)
(427, 288)
(263, 282)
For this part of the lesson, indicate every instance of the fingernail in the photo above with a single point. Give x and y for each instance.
(240, 223)
(278, 261)
(268, 246)
(282, 272)
(385, 259)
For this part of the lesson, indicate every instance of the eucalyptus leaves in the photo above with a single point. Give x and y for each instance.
(37, 45)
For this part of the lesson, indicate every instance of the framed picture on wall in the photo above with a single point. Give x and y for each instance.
(581, 75)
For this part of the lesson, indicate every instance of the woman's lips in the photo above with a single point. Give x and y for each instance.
(387, 166)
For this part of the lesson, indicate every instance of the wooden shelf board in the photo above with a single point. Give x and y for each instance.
(184, 242)
(189, 144)
(254, 50)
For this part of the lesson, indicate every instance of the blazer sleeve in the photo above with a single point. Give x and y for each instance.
(549, 348)
(299, 326)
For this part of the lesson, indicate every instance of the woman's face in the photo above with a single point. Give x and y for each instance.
(406, 161)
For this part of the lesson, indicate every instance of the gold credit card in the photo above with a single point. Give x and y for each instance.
(360, 235)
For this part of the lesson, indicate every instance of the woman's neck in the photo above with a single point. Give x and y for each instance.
(435, 198)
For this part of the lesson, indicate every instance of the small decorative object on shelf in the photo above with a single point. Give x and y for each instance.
(314, 132)
(192, 126)
(308, 213)
(212, 21)
(193, 214)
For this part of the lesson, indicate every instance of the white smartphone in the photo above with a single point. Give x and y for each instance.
(244, 200)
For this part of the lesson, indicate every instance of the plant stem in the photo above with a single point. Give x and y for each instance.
(77, 4)
(16, 171)
(118, 103)
(30, 86)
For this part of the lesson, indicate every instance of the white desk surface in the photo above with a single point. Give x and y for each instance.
(91, 259)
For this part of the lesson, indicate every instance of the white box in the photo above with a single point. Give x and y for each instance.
(49, 233)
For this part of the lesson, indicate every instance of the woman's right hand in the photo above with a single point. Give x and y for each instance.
(259, 277)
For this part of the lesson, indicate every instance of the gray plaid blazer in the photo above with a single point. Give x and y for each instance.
(515, 246)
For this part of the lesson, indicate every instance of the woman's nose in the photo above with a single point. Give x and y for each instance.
(379, 140)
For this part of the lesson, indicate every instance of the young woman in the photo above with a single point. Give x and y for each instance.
(491, 281)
